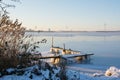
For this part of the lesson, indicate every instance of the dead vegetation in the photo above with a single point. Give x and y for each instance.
(11, 34)
(15, 47)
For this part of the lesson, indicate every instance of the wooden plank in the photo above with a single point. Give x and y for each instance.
(63, 56)
(46, 57)
(78, 55)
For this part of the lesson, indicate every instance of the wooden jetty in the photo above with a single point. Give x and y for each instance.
(59, 54)
(56, 59)
(65, 56)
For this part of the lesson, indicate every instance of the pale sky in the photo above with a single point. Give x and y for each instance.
(79, 15)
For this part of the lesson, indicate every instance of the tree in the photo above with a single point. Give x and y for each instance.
(4, 6)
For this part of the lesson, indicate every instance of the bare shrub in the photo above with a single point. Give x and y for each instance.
(15, 48)
(11, 34)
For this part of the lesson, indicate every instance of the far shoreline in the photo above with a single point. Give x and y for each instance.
(73, 33)
(68, 31)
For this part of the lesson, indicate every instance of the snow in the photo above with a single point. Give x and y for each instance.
(14, 77)
(91, 72)
(31, 74)
(113, 71)
(85, 70)
(73, 72)
(74, 75)
(10, 70)
(45, 73)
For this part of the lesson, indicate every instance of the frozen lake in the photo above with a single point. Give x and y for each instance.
(104, 45)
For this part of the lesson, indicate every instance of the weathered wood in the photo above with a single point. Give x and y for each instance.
(46, 57)
(84, 55)
(62, 56)
(57, 59)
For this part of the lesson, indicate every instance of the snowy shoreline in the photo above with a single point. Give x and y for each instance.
(83, 72)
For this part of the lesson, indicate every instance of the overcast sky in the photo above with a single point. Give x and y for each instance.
(68, 14)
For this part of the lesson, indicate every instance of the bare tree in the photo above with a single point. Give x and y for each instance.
(4, 6)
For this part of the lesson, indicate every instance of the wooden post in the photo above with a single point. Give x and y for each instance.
(64, 46)
(52, 42)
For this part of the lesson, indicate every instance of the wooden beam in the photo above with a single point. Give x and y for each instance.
(72, 56)
(61, 56)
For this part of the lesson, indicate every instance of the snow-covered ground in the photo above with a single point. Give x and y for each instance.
(85, 72)
(95, 72)
(32, 73)
(79, 75)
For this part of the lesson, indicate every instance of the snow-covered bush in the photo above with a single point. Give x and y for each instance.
(113, 71)
(34, 72)
(10, 35)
